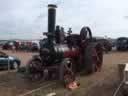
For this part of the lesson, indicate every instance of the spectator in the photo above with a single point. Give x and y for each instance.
(13, 48)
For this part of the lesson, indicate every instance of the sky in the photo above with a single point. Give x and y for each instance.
(27, 19)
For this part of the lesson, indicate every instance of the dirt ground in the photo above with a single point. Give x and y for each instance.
(102, 83)
(23, 56)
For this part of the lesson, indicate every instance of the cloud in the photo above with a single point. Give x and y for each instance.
(26, 19)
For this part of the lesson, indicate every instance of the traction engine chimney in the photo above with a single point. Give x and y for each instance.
(51, 22)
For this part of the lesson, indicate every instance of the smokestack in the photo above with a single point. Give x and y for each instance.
(51, 18)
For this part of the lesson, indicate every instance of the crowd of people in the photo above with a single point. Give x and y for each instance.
(17, 46)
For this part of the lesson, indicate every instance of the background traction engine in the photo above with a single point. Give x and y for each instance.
(61, 56)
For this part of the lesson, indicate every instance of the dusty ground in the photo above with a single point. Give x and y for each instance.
(99, 84)
(23, 56)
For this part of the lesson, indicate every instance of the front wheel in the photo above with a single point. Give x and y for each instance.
(33, 70)
(66, 71)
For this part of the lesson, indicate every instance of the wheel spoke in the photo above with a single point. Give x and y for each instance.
(99, 55)
(33, 70)
(68, 72)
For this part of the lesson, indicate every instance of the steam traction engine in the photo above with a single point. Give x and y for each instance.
(62, 56)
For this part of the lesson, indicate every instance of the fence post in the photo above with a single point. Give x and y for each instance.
(8, 64)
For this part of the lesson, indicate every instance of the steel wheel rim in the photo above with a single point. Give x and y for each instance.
(68, 72)
(99, 57)
(33, 75)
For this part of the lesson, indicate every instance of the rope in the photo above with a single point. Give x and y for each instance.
(34, 90)
(118, 88)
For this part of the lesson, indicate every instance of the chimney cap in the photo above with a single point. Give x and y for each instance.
(52, 6)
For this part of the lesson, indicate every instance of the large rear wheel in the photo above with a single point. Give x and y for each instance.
(99, 56)
(92, 58)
